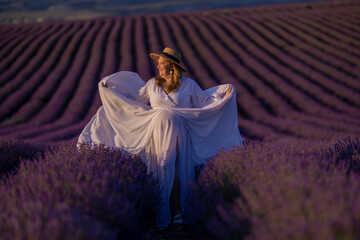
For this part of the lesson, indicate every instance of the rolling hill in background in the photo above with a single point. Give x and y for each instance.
(295, 67)
(25, 11)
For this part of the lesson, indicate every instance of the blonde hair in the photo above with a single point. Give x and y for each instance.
(176, 78)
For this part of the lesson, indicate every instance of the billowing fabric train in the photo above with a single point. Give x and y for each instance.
(168, 131)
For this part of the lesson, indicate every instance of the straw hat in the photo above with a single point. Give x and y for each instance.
(170, 54)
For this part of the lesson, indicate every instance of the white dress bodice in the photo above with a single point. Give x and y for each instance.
(189, 95)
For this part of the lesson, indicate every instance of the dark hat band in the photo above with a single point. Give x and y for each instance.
(171, 57)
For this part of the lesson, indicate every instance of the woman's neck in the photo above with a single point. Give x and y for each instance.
(168, 78)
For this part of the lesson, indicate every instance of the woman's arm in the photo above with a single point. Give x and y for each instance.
(143, 96)
(201, 98)
(140, 95)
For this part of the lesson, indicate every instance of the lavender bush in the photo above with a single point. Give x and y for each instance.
(280, 191)
(94, 193)
(345, 152)
(12, 151)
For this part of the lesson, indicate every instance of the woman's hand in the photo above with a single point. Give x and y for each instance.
(228, 91)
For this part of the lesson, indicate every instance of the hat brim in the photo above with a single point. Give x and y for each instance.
(156, 57)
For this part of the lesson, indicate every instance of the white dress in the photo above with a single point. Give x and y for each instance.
(201, 122)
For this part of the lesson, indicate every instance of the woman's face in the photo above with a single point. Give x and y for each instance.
(164, 67)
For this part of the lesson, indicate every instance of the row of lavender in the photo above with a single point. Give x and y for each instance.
(298, 190)
(294, 76)
(59, 192)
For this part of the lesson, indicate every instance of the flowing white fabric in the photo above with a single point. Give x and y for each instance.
(199, 122)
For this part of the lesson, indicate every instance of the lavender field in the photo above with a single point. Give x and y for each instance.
(295, 67)
(296, 70)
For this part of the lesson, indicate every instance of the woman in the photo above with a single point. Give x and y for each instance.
(182, 127)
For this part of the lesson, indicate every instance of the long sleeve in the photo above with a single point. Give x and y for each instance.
(143, 96)
(200, 99)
